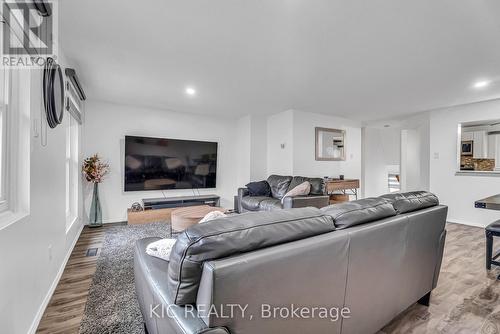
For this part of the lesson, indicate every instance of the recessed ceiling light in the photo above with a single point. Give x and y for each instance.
(481, 84)
(190, 91)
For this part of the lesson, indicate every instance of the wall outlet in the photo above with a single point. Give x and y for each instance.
(436, 155)
(50, 252)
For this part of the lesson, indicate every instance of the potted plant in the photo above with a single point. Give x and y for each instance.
(94, 170)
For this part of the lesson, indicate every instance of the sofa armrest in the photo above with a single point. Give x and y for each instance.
(437, 270)
(242, 192)
(159, 313)
(305, 201)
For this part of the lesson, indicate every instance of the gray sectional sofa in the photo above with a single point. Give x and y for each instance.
(374, 257)
(280, 185)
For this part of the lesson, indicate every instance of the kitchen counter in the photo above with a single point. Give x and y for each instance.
(477, 173)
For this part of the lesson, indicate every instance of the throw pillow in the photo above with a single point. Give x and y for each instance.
(211, 216)
(161, 248)
(260, 188)
(302, 189)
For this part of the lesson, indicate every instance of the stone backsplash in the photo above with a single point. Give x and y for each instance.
(468, 162)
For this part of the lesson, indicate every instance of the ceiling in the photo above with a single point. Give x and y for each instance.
(365, 60)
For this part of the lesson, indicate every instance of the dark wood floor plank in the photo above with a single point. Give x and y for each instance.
(67, 305)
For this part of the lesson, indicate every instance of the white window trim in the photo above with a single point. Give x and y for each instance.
(17, 164)
(74, 108)
(72, 171)
(4, 181)
(16, 168)
(5, 141)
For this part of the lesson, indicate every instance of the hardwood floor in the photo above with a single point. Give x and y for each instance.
(65, 310)
(467, 299)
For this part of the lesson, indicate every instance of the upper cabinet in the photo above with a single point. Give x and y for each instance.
(480, 145)
(467, 136)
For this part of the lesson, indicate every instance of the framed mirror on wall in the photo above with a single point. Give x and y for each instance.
(330, 144)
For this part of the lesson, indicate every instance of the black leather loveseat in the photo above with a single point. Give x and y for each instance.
(280, 185)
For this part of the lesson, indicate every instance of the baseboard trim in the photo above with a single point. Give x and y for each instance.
(113, 221)
(453, 221)
(48, 296)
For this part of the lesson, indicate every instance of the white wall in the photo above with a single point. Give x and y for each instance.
(304, 160)
(107, 124)
(423, 130)
(258, 148)
(390, 141)
(410, 160)
(460, 192)
(28, 275)
(280, 143)
(414, 151)
(243, 153)
(296, 131)
(251, 149)
(381, 154)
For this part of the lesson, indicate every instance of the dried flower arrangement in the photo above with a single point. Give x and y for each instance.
(94, 169)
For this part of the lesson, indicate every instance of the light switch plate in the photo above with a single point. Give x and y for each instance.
(36, 133)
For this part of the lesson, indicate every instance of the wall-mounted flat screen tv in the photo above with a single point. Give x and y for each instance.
(160, 164)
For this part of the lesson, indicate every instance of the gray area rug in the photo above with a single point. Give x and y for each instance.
(112, 306)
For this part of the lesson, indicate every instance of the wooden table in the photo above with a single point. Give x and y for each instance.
(148, 216)
(340, 190)
(490, 203)
(182, 218)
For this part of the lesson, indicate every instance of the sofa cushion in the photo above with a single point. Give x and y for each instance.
(252, 202)
(359, 212)
(302, 189)
(260, 188)
(317, 184)
(279, 185)
(412, 201)
(233, 235)
(270, 204)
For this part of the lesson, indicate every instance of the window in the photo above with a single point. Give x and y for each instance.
(74, 106)
(72, 170)
(393, 181)
(15, 143)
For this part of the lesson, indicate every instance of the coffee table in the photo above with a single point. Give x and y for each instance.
(185, 217)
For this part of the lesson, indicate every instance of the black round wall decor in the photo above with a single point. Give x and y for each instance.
(53, 93)
(43, 8)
